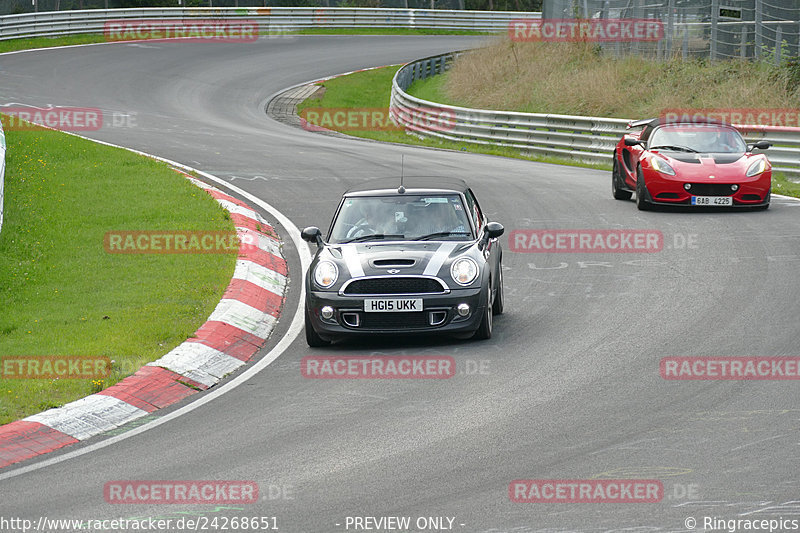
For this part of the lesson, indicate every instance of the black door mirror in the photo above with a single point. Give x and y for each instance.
(312, 234)
(761, 145)
(494, 230)
(630, 141)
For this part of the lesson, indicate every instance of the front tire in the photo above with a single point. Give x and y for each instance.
(616, 180)
(497, 306)
(484, 331)
(641, 192)
(314, 340)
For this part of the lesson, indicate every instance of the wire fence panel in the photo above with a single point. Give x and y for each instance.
(716, 29)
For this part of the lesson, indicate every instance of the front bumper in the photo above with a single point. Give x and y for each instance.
(669, 190)
(439, 314)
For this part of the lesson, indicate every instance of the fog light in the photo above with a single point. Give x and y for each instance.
(327, 312)
(687, 186)
(463, 309)
(734, 187)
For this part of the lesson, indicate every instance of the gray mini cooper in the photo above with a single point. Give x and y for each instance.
(415, 259)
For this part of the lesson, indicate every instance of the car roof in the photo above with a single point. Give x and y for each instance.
(412, 185)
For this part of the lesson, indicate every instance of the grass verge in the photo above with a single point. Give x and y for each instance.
(62, 294)
(14, 45)
(578, 79)
(385, 31)
(782, 185)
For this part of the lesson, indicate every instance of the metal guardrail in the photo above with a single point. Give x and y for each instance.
(275, 19)
(589, 139)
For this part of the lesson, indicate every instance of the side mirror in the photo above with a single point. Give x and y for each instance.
(630, 141)
(494, 230)
(312, 234)
(761, 145)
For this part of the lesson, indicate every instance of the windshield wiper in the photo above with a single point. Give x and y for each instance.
(440, 234)
(674, 147)
(375, 236)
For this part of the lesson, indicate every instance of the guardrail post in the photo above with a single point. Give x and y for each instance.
(743, 51)
(685, 42)
(670, 27)
(714, 30)
(759, 27)
(637, 13)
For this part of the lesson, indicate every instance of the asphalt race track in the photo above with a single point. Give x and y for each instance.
(568, 387)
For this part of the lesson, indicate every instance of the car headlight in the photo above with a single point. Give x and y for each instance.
(662, 166)
(325, 274)
(464, 270)
(758, 166)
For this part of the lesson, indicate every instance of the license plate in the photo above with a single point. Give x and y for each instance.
(712, 200)
(392, 305)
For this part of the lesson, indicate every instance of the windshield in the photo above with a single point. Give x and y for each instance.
(407, 217)
(698, 138)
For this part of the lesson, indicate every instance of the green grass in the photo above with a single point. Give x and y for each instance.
(61, 293)
(13, 45)
(578, 79)
(782, 185)
(371, 89)
(431, 89)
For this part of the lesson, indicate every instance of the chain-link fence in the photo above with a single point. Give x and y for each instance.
(717, 29)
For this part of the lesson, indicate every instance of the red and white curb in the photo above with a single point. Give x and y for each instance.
(234, 332)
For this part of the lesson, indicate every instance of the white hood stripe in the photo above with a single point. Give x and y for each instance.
(438, 258)
(353, 261)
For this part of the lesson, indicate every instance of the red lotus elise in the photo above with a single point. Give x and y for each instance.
(697, 164)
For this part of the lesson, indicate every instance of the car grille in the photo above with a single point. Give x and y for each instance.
(394, 320)
(394, 285)
(711, 189)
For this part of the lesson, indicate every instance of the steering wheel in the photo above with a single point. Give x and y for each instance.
(365, 229)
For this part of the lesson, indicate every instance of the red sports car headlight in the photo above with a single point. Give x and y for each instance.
(662, 166)
(757, 167)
